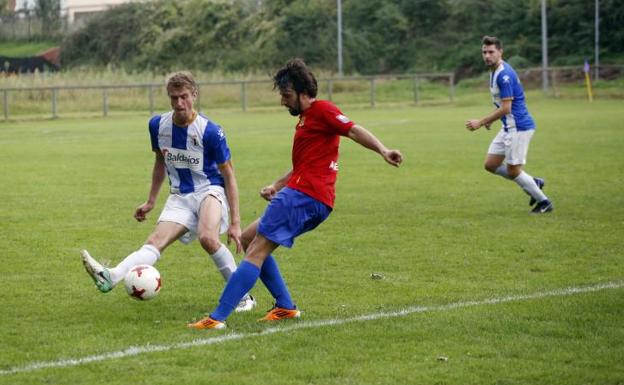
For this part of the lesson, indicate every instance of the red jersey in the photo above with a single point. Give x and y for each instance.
(315, 150)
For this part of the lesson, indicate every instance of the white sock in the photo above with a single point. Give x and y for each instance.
(224, 260)
(528, 184)
(502, 171)
(146, 255)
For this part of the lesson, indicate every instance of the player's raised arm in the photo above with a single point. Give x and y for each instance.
(366, 138)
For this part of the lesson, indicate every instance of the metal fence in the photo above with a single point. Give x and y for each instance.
(532, 77)
(363, 89)
(54, 101)
(24, 25)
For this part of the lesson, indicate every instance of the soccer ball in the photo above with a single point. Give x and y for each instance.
(142, 282)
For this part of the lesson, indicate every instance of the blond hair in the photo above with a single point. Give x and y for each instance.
(180, 80)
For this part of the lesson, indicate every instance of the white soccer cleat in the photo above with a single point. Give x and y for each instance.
(247, 303)
(97, 272)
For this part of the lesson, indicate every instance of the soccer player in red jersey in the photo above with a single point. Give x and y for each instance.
(301, 199)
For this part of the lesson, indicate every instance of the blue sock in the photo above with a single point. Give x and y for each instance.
(241, 281)
(272, 279)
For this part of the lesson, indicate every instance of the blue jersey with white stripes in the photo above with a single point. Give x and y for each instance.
(504, 84)
(192, 154)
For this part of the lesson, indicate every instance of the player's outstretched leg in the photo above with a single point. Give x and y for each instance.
(97, 272)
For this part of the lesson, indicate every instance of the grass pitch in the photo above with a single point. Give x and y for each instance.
(442, 233)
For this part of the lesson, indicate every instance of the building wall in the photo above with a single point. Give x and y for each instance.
(10, 6)
(79, 10)
(75, 10)
(22, 5)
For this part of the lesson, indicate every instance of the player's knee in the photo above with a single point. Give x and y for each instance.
(256, 258)
(157, 241)
(259, 249)
(514, 171)
(246, 239)
(248, 234)
(490, 167)
(210, 242)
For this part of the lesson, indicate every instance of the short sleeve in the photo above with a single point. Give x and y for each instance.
(335, 120)
(215, 143)
(505, 83)
(154, 125)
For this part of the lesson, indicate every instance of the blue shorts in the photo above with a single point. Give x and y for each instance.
(290, 214)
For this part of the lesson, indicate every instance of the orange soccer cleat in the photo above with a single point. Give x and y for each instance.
(207, 323)
(278, 314)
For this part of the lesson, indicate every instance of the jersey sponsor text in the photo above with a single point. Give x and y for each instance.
(183, 158)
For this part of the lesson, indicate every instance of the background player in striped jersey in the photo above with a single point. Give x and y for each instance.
(511, 144)
(203, 200)
(301, 199)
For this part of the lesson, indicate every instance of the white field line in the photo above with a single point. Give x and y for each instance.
(136, 350)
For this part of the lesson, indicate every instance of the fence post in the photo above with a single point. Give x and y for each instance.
(104, 102)
(5, 103)
(150, 95)
(243, 96)
(54, 97)
(452, 87)
(330, 86)
(372, 91)
(416, 89)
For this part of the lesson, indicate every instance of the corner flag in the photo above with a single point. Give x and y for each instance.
(588, 81)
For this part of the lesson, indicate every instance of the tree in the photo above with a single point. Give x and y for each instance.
(390, 36)
(49, 11)
(4, 8)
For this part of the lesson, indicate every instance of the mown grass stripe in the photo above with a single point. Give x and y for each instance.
(137, 350)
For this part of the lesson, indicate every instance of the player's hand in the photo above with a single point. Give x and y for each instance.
(393, 157)
(141, 211)
(234, 234)
(268, 192)
(473, 124)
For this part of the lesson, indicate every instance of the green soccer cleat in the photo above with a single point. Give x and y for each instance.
(97, 272)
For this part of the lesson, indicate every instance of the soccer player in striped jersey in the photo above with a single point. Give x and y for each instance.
(203, 202)
(301, 199)
(508, 151)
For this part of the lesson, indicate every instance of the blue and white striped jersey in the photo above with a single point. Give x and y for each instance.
(191, 153)
(504, 84)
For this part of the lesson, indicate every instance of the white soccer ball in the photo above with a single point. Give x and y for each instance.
(143, 282)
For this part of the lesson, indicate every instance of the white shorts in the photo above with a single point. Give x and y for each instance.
(184, 209)
(513, 144)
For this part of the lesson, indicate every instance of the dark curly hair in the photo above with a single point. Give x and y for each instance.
(492, 40)
(297, 75)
